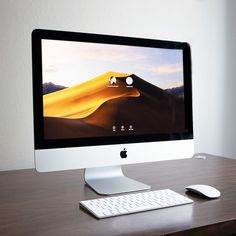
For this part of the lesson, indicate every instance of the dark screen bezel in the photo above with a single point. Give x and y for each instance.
(41, 143)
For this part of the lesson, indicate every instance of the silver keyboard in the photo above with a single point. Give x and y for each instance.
(132, 203)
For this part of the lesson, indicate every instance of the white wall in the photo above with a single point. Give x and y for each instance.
(227, 146)
(199, 22)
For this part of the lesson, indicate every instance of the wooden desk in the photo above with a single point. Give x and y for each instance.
(44, 204)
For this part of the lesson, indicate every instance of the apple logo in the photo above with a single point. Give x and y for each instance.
(123, 153)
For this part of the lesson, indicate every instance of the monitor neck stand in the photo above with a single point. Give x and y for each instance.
(111, 180)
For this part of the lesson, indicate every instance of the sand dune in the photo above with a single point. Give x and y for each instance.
(154, 110)
(82, 100)
(60, 128)
(92, 108)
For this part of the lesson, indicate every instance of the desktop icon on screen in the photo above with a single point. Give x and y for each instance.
(113, 80)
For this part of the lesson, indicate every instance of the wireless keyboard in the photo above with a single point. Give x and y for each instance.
(132, 203)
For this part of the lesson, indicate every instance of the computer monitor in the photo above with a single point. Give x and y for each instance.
(103, 101)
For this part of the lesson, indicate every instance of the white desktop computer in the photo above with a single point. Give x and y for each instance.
(103, 101)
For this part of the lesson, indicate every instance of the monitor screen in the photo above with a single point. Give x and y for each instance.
(96, 89)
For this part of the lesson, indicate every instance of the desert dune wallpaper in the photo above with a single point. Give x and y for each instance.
(108, 90)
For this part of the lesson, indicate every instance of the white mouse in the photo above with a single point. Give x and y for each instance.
(204, 190)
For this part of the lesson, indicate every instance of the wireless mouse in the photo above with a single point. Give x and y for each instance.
(204, 190)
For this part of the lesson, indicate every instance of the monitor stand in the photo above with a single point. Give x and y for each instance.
(111, 180)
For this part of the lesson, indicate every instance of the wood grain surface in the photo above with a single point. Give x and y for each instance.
(45, 204)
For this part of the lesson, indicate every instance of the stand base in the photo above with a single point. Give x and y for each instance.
(111, 180)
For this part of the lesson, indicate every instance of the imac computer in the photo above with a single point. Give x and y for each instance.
(103, 101)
